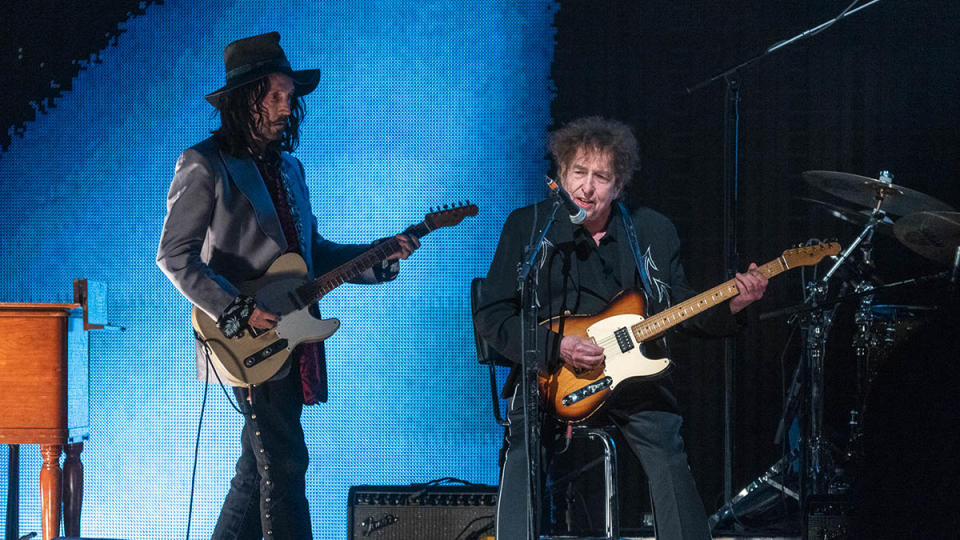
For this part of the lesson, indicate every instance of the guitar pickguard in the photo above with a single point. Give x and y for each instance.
(255, 358)
(624, 355)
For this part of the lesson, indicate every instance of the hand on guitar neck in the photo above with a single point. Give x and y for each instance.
(408, 244)
(751, 285)
(262, 319)
(584, 354)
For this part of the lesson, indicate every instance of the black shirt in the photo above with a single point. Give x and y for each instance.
(269, 167)
(602, 261)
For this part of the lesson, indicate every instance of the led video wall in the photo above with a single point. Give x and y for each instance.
(421, 103)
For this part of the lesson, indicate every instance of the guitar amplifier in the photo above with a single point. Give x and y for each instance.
(424, 513)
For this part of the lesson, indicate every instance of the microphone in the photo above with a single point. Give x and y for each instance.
(577, 214)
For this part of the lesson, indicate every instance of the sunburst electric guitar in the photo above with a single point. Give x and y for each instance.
(620, 329)
(285, 289)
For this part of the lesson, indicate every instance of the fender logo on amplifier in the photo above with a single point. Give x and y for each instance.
(371, 525)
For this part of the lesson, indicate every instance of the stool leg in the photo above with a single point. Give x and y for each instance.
(612, 498)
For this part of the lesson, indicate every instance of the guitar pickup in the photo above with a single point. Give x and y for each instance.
(623, 339)
(586, 391)
(265, 353)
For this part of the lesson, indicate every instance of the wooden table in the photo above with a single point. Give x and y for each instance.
(44, 362)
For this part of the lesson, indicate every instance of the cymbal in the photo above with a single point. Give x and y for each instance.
(855, 217)
(935, 235)
(897, 200)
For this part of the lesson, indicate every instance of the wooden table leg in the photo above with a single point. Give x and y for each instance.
(72, 489)
(51, 483)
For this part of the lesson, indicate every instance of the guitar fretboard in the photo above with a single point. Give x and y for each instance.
(668, 318)
(312, 291)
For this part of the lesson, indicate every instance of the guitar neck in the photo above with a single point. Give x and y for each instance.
(314, 290)
(668, 318)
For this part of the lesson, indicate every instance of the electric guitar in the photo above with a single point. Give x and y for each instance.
(253, 356)
(620, 329)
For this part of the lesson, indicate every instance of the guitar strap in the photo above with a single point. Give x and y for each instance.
(641, 267)
(635, 248)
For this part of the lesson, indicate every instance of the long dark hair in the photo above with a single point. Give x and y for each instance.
(238, 121)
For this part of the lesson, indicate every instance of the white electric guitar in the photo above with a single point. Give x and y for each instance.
(620, 329)
(285, 289)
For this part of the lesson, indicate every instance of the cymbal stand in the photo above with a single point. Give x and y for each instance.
(814, 460)
(814, 327)
(864, 342)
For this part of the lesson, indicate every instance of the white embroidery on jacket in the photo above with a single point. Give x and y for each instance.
(661, 288)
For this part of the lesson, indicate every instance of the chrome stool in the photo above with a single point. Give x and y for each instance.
(489, 357)
(611, 500)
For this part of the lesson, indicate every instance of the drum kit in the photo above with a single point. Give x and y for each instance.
(816, 465)
(925, 225)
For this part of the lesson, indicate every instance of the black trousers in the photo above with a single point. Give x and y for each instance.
(654, 437)
(267, 497)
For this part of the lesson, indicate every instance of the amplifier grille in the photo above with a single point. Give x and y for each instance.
(415, 512)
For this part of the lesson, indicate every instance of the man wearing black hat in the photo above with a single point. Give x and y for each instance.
(237, 202)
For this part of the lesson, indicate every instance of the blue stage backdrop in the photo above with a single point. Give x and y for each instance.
(421, 103)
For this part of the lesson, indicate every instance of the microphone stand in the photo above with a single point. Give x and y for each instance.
(726, 73)
(527, 281)
(731, 178)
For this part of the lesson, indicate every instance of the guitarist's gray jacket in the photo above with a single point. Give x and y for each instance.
(567, 282)
(222, 229)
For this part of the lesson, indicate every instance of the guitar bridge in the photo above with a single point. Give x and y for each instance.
(265, 353)
(586, 391)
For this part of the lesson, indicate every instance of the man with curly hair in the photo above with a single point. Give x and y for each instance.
(581, 269)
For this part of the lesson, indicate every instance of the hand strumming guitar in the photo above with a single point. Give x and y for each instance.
(580, 353)
(262, 320)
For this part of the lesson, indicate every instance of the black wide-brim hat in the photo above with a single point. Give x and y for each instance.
(249, 59)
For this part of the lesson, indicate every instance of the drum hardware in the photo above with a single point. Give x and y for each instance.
(933, 235)
(858, 218)
(872, 192)
(773, 484)
(930, 228)
(815, 462)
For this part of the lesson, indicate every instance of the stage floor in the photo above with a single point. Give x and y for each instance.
(654, 538)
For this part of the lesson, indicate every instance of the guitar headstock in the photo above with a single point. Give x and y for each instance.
(810, 255)
(450, 215)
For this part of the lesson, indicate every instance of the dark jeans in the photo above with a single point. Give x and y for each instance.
(267, 497)
(654, 436)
